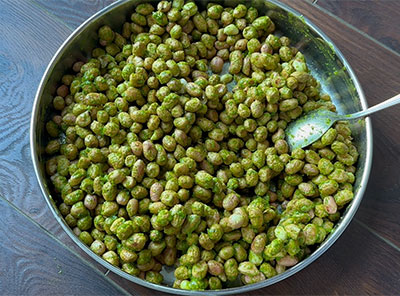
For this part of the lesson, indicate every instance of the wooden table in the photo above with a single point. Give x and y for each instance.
(37, 257)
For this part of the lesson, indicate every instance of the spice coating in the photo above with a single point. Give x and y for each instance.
(160, 164)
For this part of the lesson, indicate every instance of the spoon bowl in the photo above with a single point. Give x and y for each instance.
(310, 127)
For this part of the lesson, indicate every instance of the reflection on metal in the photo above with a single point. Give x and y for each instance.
(323, 59)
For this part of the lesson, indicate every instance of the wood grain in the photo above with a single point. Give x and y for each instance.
(35, 263)
(377, 70)
(32, 31)
(73, 12)
(30, 37)
(378, 19)
(25, 50)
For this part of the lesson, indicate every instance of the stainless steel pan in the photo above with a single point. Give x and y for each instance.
(324, 59)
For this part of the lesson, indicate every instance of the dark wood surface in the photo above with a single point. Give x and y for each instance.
(30, 36)
(373, 17)
(365, 260)
(35, 263)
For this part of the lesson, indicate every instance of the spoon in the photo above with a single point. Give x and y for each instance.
(310, 127)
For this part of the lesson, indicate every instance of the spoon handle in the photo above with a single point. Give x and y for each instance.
(385, 104)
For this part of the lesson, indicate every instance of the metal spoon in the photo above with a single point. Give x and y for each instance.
(310, 127)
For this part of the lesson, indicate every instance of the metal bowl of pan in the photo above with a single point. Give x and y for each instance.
(324, 59)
